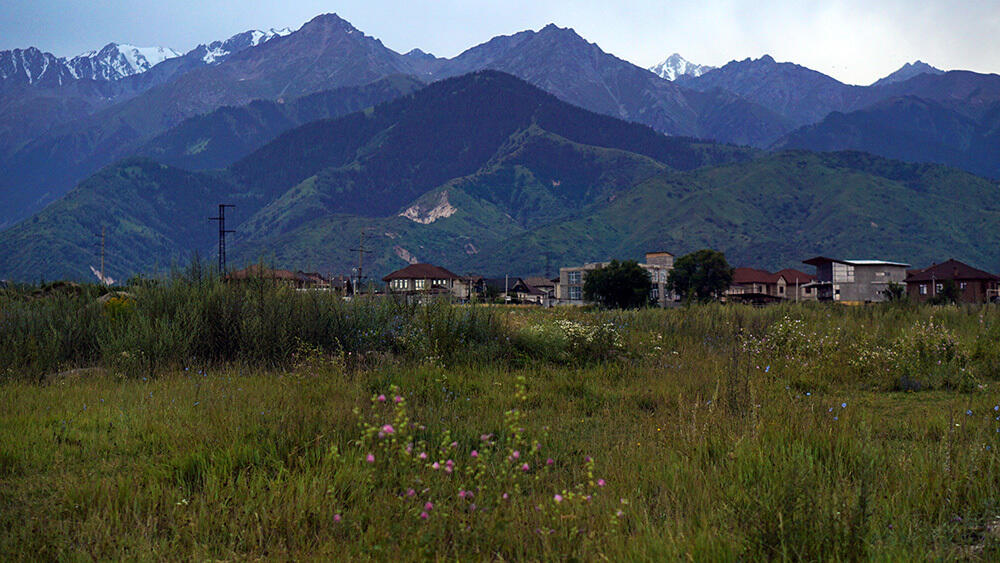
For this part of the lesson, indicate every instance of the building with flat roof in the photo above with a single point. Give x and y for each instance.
(855, 281)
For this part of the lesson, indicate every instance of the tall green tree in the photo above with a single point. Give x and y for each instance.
(619, 285)
(700, 276)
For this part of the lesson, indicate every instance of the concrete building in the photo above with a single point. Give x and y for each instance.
(569, 290)
(854, 281)
(424, 280)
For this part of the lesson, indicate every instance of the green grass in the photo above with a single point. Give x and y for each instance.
(719, 433)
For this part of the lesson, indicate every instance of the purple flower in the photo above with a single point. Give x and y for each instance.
(388, 429)
(557, 498)
(525, 467)
(336, 518)
(549, 461)
(428, 506)
(601, 483)
(381, 398)
(424, 516)
(474, 454)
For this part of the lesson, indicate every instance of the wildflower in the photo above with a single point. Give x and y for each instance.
(968, 412)
(843, 405)
(381, 398)
(557, 498)
(423, 455)
(454, 444)
(436, 465)
(601, 483)
(336, 518)
(388, 429)
(767, 369)
(996, 408)
(549, 461)
(450, 463)
(461, 493)
(411, 493)
(505, 495)
(516, 454)
(424, 516)
(525, 467)
(397, 399)
(370, 458)
(486, 437)
(472, 507)
(428, 506)
(836, 418)
(474, 454)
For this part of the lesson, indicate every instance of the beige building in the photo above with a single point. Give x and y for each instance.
(569, 290)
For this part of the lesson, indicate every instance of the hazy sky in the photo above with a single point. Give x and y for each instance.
(856, 41)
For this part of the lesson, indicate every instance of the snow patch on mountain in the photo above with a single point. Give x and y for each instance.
(676, 65)
(217, 51)
(908, 71)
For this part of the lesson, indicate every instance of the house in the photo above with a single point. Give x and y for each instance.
(515, 289)
(546, 286)
(854, 281)
(424, 279)
(756, 286)
(798, 285)
(569, 290)
(297, 280)
(974, 286)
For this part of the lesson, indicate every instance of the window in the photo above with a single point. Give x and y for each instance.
(419, 284)
(939, 287)
(962, 285)
(923, 289)
(655, 293)
(574, 277)
(575, 293)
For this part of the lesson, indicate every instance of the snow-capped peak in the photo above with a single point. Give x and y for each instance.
(217, 51)
(117, 60)
(676, 65)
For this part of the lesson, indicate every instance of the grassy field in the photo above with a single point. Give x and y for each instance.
(382, 431)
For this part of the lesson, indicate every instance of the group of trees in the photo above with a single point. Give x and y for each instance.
(700, 276)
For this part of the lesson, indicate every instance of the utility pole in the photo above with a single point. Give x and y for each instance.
(102, 255)
(361, 250)
(222, 236)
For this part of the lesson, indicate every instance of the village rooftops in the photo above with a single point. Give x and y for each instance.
(824, 260)
(421, 272)
(949, 270)
(742, 276)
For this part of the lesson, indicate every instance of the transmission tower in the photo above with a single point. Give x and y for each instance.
(361, 250)
(222, 236)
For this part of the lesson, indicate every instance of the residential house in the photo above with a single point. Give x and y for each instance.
(297, 280)
(756, 286)
(798, 285)
(546, 286)
(569, 290)
(515, 290)
(425, 280)
(974, 286)
(854, 281)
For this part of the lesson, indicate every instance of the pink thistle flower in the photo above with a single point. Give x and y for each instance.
(454, 444)
(474, 453)
(423, 455)
(436, 465)
(370, 458)
(486, 437)
(449, 463)
(381, 398)
(428, 506)
(397, 399)
(587, 459)
(424, 516)
(505, 496)
(525, 467)
(461, 494)
(516, 454)
(601, 483)
(447, 469)
(409, 449)
(411, 493)
(550, 461)
(557, 498)
(472, 508)
(388, 429)
(336, 518)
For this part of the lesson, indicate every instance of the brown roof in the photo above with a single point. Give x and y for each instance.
(753, 275)
(258, 271)
(791, 274)
(421, 272)
(950, 270)
(540, 281)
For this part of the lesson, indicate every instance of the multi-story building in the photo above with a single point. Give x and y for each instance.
(424, 280)
(855, 281)
(569, 290)
(972, 285)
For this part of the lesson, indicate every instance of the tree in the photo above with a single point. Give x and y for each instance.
(700, 276)
(895, 292)
(619, 285)
(949, 293)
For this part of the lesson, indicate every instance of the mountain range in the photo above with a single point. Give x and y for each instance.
(483, 172)
(676, 65)
(235, 114)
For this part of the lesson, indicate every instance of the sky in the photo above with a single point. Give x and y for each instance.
(855, 41)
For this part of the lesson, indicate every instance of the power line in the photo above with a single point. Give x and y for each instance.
(361, 250)
(222, 235)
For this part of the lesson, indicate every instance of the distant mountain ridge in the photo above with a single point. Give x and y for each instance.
(908, 71)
